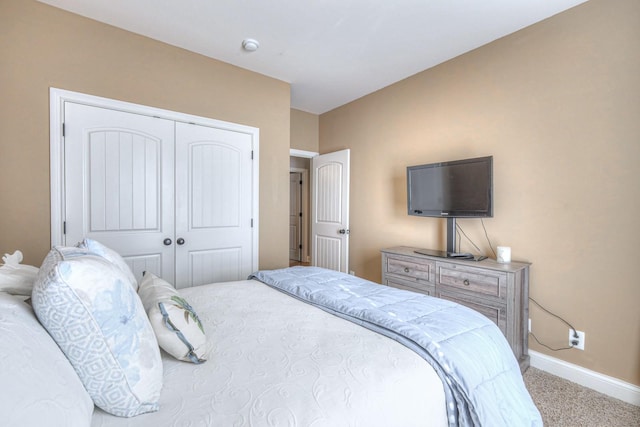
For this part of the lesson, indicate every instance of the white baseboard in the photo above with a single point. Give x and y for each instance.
(599, 382)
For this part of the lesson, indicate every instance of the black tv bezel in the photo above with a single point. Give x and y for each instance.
(454, 213)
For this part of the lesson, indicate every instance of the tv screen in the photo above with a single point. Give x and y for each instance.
(455, 189)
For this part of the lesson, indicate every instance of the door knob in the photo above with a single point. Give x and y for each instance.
(180, 241)
(167, 241)
(343, 231)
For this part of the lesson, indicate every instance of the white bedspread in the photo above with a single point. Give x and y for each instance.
(276, 361)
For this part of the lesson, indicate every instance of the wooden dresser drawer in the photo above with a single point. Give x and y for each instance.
(499, 291)
(410, 269)
(419, 286)
(476, 280)
(497, 313)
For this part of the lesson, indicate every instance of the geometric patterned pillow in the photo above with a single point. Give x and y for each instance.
(109, 254)
(90, 309)
(175, 323)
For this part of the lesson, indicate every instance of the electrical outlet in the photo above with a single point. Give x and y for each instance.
(576, 342)
(351, 272)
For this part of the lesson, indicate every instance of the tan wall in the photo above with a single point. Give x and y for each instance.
(557, 105)
(42, 47)
(304, 131)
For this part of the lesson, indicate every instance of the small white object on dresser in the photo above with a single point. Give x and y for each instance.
(504, 254)
(500, 291)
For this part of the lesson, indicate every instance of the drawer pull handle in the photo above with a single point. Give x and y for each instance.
(466, 282)
(406, 269)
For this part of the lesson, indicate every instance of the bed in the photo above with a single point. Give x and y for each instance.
(285, 348)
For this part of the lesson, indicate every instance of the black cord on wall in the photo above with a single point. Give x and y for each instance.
(575, 334)
(487, 236)
(459, 231)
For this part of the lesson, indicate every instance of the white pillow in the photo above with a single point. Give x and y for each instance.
(16, 278)
(90, 309)
(112, 256)
(39, 386)
(175, 323)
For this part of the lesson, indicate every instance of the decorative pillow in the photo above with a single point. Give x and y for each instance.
(16, 278)
(177, 326)
(90, 309)
(112, 256)
(39, 385)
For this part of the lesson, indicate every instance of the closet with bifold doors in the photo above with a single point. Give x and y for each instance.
(173, 197)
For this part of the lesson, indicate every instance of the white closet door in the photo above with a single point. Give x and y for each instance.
(213, 205)
(119, 184)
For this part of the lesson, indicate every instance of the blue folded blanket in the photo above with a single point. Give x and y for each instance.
(481, 377)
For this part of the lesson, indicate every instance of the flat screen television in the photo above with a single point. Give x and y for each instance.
(453, 189)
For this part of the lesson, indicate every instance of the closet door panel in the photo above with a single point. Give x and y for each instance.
(124, 181)
(119, 184)
(215, 192)
(210, 266)
(213, 205)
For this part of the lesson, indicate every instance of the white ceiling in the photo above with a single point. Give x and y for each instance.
(330, 51)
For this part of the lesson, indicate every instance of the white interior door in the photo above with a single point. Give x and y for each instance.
(330, 210)
(119, 184)
(295, 216)
(214, 215)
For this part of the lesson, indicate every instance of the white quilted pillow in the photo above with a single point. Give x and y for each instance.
(39, 387)
(177, 326)
(90, 309)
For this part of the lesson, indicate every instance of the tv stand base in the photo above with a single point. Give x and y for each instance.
(456, 255)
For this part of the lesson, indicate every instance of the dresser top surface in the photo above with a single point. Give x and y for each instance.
(486, 263)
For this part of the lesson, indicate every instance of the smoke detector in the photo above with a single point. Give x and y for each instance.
(250, 45)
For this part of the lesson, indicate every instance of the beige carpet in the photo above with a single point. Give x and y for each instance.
(566, 404)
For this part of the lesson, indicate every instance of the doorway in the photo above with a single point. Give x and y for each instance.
(299, 211)
(295, 216)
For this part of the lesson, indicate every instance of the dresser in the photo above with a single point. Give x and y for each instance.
(499, 291)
